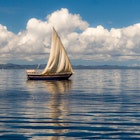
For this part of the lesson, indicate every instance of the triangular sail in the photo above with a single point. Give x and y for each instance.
(58, 61)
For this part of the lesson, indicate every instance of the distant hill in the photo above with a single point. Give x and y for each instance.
(106, 67)
(17, 66)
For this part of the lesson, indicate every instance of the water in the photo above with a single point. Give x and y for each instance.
(94, 104)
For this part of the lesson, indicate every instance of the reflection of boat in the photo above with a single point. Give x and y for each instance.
(54, 87)
(53, 106)
(58, 67)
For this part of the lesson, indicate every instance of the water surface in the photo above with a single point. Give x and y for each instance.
(93, 104)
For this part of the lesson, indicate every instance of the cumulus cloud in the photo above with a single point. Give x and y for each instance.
(63, 20)
(80, 40)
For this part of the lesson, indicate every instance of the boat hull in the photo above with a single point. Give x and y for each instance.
(48, 77)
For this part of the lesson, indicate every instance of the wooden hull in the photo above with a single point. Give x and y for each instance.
(48, 77)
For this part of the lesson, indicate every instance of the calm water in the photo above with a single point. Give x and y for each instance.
(94, 104)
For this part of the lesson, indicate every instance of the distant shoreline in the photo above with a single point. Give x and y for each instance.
(17, 66)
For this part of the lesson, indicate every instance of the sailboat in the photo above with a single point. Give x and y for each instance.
(58, 66)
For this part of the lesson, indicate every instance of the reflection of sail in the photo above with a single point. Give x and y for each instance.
(59, 107)
(59, 86)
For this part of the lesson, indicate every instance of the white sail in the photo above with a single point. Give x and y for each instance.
(58, 61)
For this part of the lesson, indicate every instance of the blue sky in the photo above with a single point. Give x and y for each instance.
(110, 13)
(110, 18)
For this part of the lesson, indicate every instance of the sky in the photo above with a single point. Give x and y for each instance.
(94, 32)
